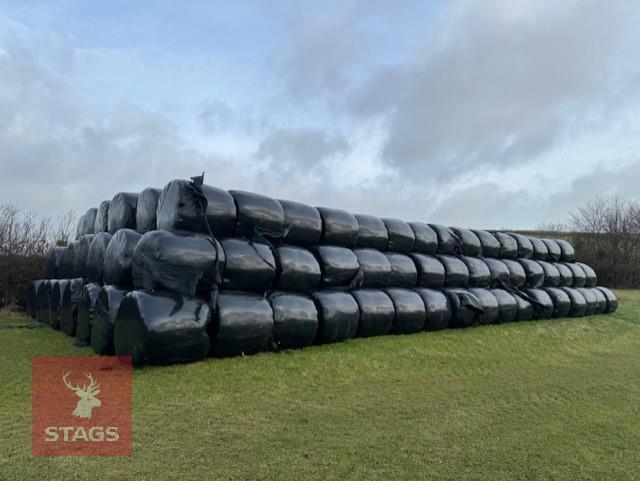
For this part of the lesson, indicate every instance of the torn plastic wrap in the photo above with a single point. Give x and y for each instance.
(578, 302)
(488, 305)
(508, 245)
(554, 252)
(146, 210)
(591, 279)
(338, 316)
(122, 211)
(53, 262)
(426, 238)
(437, 308)
(551, 274)
(404, 272)
(525, 248)
(70, 296)
(101, 223)
(567, 252)
(448, 242)
(612, 300)
(525, 308)
(95, 256)
(295, 320)
(104, 319)
(456, 272)
(339, 227)
(80, 255)
(161, 327)
(376, 312)
(302, 223)
(540, 251)
(375, 267)
(561, 301)
(249, 266)
(579, 276)
(507, 306)
(533, 271)
(590, 298)
(118, 258)
(86, 223)
(466, 308)
(86, 309)
(431, 272)
(469, 242)
(479, 273)
(258, 214)
(372, 232)
(339, 266)
(189, 263)
(566, 275)
(602, 300)
(542, 303)
(517, 276)
(490, 246)
(499, 272)
(298, 269)
(401, 236)
(410, 311)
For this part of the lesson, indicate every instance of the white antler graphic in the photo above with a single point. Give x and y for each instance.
(87, 395)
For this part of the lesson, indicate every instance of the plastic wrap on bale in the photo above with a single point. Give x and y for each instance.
(146, 210)
(404, 272)
(567, 252)
(374, 266)
(488, 304)
(86, 223)
(437, 308)
(302, 223)
(52, 312)
(578, 302)
(498, 271)
(101, 223)
(561, 301)
(338, 316)
(431, 271)
(517, 276)
(540, 251)
(400, 234)
(479, 273)
(65, 266)
(70, 296)
(591, 278)
(448, 242)
(612, 300)
(554, 252)
(566, 275)
(86, 309)
(297, 269)
(122, 211)
(541, 301)
(372, 232)
(602, 300)
(410, 311)
(579, 276)
(456, 273)
(489, 245)
(95, 256)
(258, 215)
(533, 272)
(426, 238)
(551, 274)
(295, 320)
(466, 308)
(104, 319)
(469, 242)
(118, 258)
(339, 227)
(248, 265)
(43, 299)
(525, 248)
(32, 291)
(590, 298)
(507, 306)
(81, 254)
(508, 245)
(53, 262)
(525, 308)
(339, 266)
(376, 312)
(161, 327)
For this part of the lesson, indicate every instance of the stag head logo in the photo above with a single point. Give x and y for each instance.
(87, 395)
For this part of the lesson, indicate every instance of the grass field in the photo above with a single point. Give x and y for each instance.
(556, 400)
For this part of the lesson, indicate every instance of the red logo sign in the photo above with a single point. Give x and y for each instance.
(81, 406)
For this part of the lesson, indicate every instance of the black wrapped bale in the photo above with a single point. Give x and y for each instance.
(338, 316)
(53, 262)
(533, 271)
(561, 301)
(410, 311)
(242, 324)
(161, 327)
(448, 242)
(592, 300)
(401, 236)
(375, 267)
(437, 307)
(298, 269)
(426, 238)
(249, 266)
(122, 211)
(456, 273)
(466, 308)
(339, 266)
(431, 272)
(579, 276)
(70, 296)
(525, 308)
(490, 246)
(591, 278)
(104, 319)
(189, 263)
(551, 274)
(567, 252)
(32, 292)
(540, 251)
(479, 273)
(187, 205)
(55, 295)
(339, 227)
(146, 210)
(295, 320)
(81, 254)
(525, 248)
(118, 258)
(602, 300)
(86, 223)
(488, 304)
(566, 275)
(302, 223)
(508, 245)
(469, 242)
(65, 266)
(517, 275)
(258, 214)
(101, 223)
(376, 312)
(554, 252)
(372, 232)
(542, 303)
(507, 306)
(612, 300)
(95, 256)
(578, 302)
(404, 272)
(499, 272)
(86, 310)
(42, 301)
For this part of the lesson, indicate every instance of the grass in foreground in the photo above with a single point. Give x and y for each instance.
(557, 399)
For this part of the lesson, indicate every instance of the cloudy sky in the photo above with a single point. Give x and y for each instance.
(488, 113)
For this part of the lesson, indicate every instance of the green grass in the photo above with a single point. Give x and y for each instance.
(557, 400)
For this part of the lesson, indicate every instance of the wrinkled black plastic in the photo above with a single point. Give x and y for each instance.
(339, 227)
(566, 275)
(338, 316)
(258, 214)
(86, 309)
(507, 306)
(479, 273)
(426, 238)
(602, 300)
(249, 266)
(592, 300)
(456, 272)
(551, 274)
(525, 248)
(298, 269)
(371, 232)
(431, 272)
(533, 271)
(517, 275)
(561, 301)
(437, 308)
(490, 246)
(81, 254)
(53, 262)
(469, 242)
(542, 303)
(578, 302)
(567, 252)
(161, 327)
(339, 265)
(295, 320)
(540, 251)
(122, 211)
(612, 300)
(579, 276)
(508, 245)
(86, 223)
(101, 223)
(104, 319)
(70, 296)
(591, 278)
(375, 267)
(302, 223)
(466, 308)
(554, 251)
(118, 258)
(403, 270)
(525, 308)
(498, 271)
(488, 303)
(376, 312)
(55, 301)
(146, 210)
(410, 311)
(401, 236)
(448, 242)
(95, 256)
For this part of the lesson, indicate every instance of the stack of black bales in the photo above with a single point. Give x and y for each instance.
(177, 274)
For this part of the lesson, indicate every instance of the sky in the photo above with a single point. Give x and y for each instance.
(483, 114)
